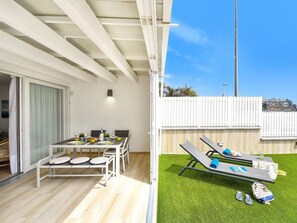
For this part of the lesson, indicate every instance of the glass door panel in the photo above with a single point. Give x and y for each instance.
(46, 119)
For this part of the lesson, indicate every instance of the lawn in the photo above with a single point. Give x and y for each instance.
(201, 197)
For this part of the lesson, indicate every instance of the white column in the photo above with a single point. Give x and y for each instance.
(154, 146)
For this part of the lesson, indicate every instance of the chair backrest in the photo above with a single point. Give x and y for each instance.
(212, 145)
(121, 133)
(127, 142)
(124, 145)
(96, 133)
(199, 156)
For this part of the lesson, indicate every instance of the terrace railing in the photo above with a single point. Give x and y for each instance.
(226, 112)
(279, 125)
(211, 112)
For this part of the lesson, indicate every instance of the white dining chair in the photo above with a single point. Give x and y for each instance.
(124, 152)
(124, 133)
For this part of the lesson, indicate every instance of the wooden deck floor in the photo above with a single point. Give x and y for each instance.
(4, 172)
(81, 199)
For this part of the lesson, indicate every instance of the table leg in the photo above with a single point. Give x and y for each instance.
(117, 161)
(38, 176)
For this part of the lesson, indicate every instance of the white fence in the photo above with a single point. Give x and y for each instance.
(199, 112)
(226, 112)
(279, 125)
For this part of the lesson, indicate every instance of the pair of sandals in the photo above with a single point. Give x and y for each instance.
(248, 200)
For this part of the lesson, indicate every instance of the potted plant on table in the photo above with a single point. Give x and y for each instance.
(106, 136)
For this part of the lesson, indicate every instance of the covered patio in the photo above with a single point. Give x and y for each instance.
(66, 58)
(79, 199)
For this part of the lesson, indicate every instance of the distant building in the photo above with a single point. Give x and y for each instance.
(278, 105)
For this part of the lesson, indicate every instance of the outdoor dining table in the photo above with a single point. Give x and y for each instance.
(112, 143)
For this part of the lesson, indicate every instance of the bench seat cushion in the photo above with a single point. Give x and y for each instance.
(60, 160)
(99, 160)
(79, 160)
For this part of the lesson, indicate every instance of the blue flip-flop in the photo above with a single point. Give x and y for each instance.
(239, 195)
(248, 200)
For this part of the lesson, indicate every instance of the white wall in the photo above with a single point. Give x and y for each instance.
(4, 95)
(128, 109)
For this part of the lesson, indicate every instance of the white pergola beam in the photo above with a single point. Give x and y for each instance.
(147, 14)
(127, 36)
(140, 69)
(167, 8)
(136, 57)
(19, 18)
(82, 15)
(103, 21)
(17, 70)
(77, 34)
(20, 48)
(113, 36)
(28, 64)
(102, 56)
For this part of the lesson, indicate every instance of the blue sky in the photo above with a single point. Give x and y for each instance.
(201, 50)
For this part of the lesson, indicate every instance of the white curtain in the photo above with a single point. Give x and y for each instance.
(45, 120)
(13, 145)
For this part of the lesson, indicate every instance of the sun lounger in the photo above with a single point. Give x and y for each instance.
(244, 158)
(224, 169)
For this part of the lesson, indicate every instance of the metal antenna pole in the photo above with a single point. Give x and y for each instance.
(224, 85)
(235, 50)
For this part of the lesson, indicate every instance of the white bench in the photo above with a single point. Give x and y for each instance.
(44, 164)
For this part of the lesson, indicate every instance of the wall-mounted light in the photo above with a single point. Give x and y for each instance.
(109, 93)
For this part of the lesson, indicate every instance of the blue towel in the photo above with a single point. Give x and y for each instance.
(243, 169)
(227, 151)
(214, 163)
(233, 168)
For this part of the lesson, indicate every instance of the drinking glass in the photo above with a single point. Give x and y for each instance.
(75, 136)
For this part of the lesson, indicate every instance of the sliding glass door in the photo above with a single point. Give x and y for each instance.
(44, 115)
(46, 119)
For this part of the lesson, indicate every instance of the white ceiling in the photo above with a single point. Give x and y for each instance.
(87, 40)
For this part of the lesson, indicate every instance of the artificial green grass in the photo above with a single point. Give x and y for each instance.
(201, 197)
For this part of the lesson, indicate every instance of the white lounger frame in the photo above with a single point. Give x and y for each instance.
(43, 164)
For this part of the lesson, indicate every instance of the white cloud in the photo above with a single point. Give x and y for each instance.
(203, 68)
(176, 52)
(189, 34)
(168, 76)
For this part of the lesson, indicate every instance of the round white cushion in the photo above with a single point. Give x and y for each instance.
(60, 160)
(79, 160)
(99, 160)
